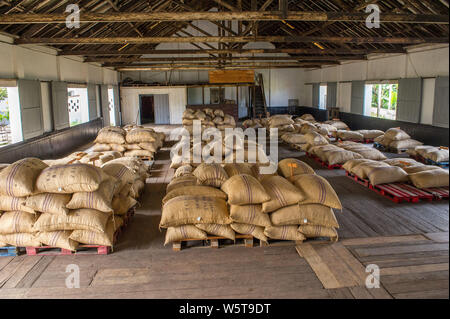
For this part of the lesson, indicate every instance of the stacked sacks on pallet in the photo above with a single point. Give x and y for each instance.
(282, 122)
(338, 124)
(17, 182)
(397, 140)
(208, 118)
(345, 135)
(307, 117)
(255, 123)
(378, 172)
(93, 158)
(435, 154)
(363, 150)
(246, 196)
(370, 134)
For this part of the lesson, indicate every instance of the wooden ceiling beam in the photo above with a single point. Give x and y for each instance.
(216, 64)
(312, 16)
(233, 39)
(205, 68)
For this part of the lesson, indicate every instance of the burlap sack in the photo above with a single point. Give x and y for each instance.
(311, 231)
(314, 138)
(438, 155)
(349, 165)
(284, 233)
(140, 153)
(282, 193)
(187, 210)
(50, 203)
(3, 166)
(245, 190)
(419, 168)
(211, 175)
(338, 124)
(239, 168)
(152, 147)
(434, 178)
(218, 230)
(118, 147)
(20, 240)
(317, 190)
(385, 175)
(87, 219)
(249, 214)
(371, 134)
(19, 178)
(8, 203)
(361, 169)
(396, 134)
(136, 136)
(122, 173)
(174, 234)
(132, 147)
(206, 191)
(17, 222)
(110, 137)
(379, 139)
(100, 200)
(183, 170)
(307, 117)
(309, 214)
(60, 239)
(182, 181)
(69, 179)
(96, 238)
(253, 230)
(371, 153)
(121, 205)
(101, 147)
(137, 189)
(401, 162)
(350, 135)
(296, 139)
(340, 157)
(291, 167)
(409, 143)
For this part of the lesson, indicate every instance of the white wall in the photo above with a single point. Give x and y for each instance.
(425, 61)
(130, 102)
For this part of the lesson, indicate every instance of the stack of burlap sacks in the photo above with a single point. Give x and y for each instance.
(398, 170)
(209, 118)
(359, 136)
(64, 205)
(292, 206)
(397, 139)
(255, 123)
(133, 142)
(432, 153)
(93, 158)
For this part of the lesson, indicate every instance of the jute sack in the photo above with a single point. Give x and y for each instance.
(311, 231)
(206, 191)
(419, 168)
(137, 153)
(121, 205)
(178, 233)
(239, 168)
(296, 139)
(307, 127)
(371, 134)
(122, 173)
(350, 135)
(349, 165)
(401, 162)
(409, 143)
(187, 210)
(152, 147)
(385, 175)
(338, 124)
(182, 181)
(340, 157)
(67, 179)
(317, 190)
(249, 214)
(245, 229)
(396, 134)
(183, 170)
(282, 193)
(137, 189)
(132, 147)
(95, 238)
(379, 139)
(361, 169)
(371, 153)
(50, 203)
(19, 178)
(244, 190)
(136, 136)
(284, 233)
(433, 178)
(438, 155)
(3, 166)
(100, 200)
(309, 214)
(8, 203)
(60, 239)
(20, 240)
(118, 148)
(211, 175)
(87, 219)
(110, 137)
(218, 230)
(17, 222)
(101, 147)
(276, 121)
(290, 167)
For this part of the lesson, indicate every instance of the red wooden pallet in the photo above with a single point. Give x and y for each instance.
(439, 193)
(401, 192)
(363, 182)
(214, 241)
(325, 164)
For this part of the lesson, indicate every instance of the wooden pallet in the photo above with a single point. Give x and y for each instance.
(439, 193)
(325, 164)
(9, 251)
(55, 251)
(363, 182)
(213, 240)
(429, 161)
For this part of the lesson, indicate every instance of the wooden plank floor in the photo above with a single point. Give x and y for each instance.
(408, 242)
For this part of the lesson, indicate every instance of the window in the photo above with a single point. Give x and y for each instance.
(323, 97)
(112, 107)
(78, 106)
(381, 101)
(10, 119)
(217, 95)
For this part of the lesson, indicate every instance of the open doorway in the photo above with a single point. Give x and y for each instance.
(10, 117)
(147, 109)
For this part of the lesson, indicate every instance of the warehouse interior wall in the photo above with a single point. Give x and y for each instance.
(426, 62)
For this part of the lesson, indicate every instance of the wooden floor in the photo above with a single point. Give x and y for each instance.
(408, 242)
